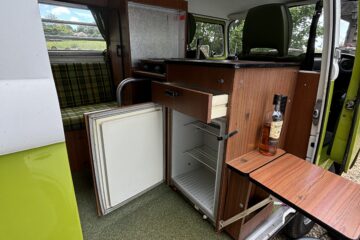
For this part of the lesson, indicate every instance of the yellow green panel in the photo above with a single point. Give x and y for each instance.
(347, 138)
(321, 153)
(37, 198)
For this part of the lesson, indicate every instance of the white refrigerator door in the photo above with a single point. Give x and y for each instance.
(127, 148)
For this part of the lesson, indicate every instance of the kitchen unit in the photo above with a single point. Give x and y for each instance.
(205, 114)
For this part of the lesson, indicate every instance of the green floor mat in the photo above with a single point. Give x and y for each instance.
(158, 214)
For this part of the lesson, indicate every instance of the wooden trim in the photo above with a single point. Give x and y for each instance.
(94, 3)
(120, 38)
(77, 149)
(173, 4)
(237, 199)
(300, 123)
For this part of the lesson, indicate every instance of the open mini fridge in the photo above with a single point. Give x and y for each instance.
(128, 155)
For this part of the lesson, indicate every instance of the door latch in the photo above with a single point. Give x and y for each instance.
(350, 105)
(316, 112)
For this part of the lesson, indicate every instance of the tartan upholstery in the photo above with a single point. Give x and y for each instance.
(73, 117)
(81, 84)
(81, 88)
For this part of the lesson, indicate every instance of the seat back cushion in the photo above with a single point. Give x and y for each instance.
(268, 26)
(81, 84)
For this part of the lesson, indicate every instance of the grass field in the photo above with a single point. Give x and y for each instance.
(76, 45)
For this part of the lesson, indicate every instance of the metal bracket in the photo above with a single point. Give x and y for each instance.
(316, 113)
(246, 212)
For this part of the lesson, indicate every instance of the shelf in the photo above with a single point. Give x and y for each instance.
(205, 155)
(199, 187)
(207, 128)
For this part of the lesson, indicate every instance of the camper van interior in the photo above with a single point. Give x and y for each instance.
(162, 104)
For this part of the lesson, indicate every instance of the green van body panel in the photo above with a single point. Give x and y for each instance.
(320, 156)
(347, 138)
(37, 196)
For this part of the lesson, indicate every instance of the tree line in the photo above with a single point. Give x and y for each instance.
(59, 29)
(213, 34)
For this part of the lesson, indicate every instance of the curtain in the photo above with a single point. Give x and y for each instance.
(101, 16)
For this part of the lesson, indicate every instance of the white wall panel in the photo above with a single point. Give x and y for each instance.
(29, 109)
(155, 32)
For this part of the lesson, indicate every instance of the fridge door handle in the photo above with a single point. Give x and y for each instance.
(227, 136)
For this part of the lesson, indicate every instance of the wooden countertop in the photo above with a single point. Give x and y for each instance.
(327, 198)
(252, 161)
(231, 63)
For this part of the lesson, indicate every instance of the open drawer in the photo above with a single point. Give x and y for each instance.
(203, 106)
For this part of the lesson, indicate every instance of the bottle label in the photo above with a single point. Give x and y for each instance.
(275, 129)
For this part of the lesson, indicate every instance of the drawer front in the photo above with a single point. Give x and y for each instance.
(200, 105)
(218, 79)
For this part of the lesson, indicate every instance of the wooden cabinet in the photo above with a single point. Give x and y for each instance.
(214, 113)
(250, 87)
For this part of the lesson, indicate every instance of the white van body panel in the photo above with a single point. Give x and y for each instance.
(30, 112)
(331, 13)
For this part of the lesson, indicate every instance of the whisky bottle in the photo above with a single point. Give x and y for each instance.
(271, 130)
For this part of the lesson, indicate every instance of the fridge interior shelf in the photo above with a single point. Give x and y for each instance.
(207, 128)
(205, 155)
(198, 186)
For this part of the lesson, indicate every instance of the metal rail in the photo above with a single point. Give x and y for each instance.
(123, 83)
(56, 37)
(56, 21)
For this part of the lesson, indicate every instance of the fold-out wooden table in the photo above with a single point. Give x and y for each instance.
(328, 199)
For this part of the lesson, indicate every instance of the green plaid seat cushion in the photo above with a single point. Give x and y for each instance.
(81, 84)
(73, 117)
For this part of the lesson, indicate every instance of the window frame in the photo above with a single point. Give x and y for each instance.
(67, 22)
(218, 21)
(228, 34)
(322, 16)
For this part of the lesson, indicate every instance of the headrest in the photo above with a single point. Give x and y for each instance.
(268, 26)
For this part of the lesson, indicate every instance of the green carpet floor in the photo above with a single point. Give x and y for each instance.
(158, 214)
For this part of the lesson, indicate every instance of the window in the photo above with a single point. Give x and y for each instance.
(302, 18)
(70, 28)
(235, 36)
(212, 35)
(349, 26)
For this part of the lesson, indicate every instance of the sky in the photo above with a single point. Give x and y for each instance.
(344, 25)
(66, 13)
